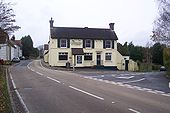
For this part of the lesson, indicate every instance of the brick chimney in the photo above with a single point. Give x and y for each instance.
(51, 22)
(111, 26)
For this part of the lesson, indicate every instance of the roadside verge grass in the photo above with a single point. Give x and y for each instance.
(5, 105)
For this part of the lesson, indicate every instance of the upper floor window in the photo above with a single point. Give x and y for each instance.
(88, 43)
(63, 43)
(108, 44)
(88, 56)
(108, 56)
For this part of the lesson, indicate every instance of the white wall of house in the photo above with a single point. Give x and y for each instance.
(3, 51)
(78, 43)
(17, 51)
(12, 53)
(6, 52)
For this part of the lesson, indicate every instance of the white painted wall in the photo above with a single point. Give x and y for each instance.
(78, 43)
(3, 52)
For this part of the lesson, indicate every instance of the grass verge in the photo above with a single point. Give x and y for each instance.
(5, 105)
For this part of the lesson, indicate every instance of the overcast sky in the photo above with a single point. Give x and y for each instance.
(133, 18)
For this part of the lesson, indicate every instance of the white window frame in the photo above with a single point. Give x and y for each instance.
(106, 43)
(88, 43)
(61, 43)
(108, 55)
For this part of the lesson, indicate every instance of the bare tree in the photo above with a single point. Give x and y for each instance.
(161, 32)
(7, 19)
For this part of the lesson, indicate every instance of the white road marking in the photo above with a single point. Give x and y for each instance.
(146, 89)
(166, 95)
(159, 91)
(130, 109)
(19, 96)
(125, 77)
(135, 80)
(152, 92)
(86, 93)
(136, 87)
(102, 75)
(54, 79)
(39, 73)
(124, 74)
(113, 102)
(32, 70)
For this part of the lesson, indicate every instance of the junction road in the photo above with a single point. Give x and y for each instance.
(44, 90)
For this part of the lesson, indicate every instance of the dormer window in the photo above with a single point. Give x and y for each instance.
(88, 43)
(108, 44)
(63, 43)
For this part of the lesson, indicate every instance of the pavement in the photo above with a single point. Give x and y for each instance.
(44, 90)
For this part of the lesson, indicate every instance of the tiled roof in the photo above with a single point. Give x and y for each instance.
(45, 46)
(18, 42)
(83, 33)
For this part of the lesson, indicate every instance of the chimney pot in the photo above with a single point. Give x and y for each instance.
(112, 26)
(51, 22)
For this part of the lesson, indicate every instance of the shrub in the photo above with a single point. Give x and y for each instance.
(166, 58)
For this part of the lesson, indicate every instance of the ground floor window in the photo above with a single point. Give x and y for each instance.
(88, 56)
(79, 59)
(108, 56)
(63, 56)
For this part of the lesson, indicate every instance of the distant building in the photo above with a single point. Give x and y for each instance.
(9, 48)
(84, 47)
(45, 54)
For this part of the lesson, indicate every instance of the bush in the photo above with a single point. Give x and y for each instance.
(145, 67)
(156, 67)
(5, 105)
(166, 56)
(7, 62)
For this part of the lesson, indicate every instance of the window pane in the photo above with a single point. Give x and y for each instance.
(87, 43)
(108, 56)
(79, 59)
(63, 56)
(63, 43)
(108, 44)
(88, 56)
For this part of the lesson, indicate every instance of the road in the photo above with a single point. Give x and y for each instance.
(52, 91)
(151, 80)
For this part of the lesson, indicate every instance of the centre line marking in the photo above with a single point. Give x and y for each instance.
(54, 79)
(39, 73)
(86, 93)
(133, 110)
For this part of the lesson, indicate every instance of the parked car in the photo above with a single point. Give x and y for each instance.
(22, 58)
(16, 59)
(162, 68)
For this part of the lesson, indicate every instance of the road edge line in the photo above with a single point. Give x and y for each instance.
(9, 91)
(18, 95)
